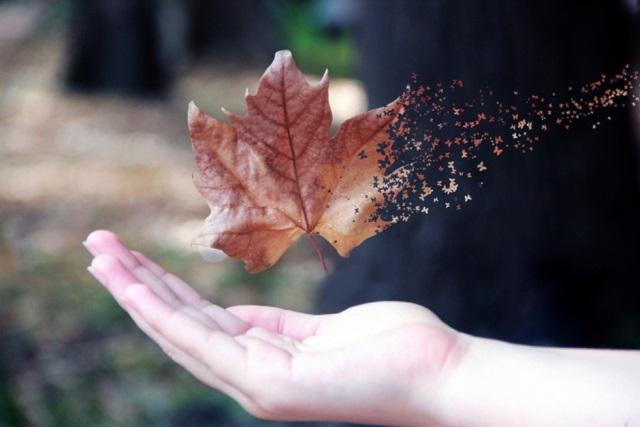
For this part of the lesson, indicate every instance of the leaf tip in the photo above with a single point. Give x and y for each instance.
(192, 111)
(283, 56)
(325, 76)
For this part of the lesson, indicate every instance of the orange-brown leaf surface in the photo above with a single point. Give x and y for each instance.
(275, 174)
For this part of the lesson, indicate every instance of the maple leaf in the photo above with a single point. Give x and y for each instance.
(275, 174)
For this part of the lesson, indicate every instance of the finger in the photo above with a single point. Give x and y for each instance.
(185, 292)
(113, 276)
(168, 347)
(197, 368)
(227, 321)
(283, 342)
(166, 285)
(106, 242)
(119, 278)
(290, 323)
(203, 373)
(220, 352)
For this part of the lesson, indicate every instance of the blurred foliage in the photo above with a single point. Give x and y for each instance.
(314, 50)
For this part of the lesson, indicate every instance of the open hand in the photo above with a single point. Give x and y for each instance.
(380, 363)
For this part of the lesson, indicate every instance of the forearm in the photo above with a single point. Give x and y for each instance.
(501, 384)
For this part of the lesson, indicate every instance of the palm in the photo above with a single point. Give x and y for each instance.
(281, 364)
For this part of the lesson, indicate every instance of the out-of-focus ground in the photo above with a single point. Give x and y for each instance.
(69, 164)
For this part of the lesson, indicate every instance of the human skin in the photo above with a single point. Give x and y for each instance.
(388, 363)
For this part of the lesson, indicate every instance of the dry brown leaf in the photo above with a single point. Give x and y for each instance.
(275, 174)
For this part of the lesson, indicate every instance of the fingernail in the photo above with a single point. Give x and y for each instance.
(88, 247)
(98, 276)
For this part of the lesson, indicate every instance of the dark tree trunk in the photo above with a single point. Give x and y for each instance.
(240, 30)
(136, 47)
(114, 47)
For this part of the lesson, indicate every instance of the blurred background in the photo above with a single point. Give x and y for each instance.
(93, 97)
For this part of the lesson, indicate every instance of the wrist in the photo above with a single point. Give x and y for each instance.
(463, 397)
(484, 382)
(434, 401)
(500, 384)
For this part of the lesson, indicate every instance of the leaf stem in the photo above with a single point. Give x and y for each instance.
(316, 247)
